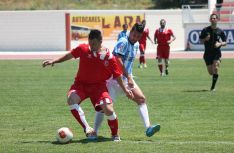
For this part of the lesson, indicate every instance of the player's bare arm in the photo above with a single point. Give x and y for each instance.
(150, 39)
(128, 93)
(66, 57)
(220, 44)
(155, 40)
(172, 39)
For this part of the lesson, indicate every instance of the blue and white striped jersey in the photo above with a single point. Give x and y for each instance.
(122, 34)
(127, 51)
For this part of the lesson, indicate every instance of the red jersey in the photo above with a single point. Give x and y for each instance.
(144, 36)
(163, 35)
(95, 67)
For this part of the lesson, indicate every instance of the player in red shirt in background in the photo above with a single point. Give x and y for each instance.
(163, 37)
(142, 47)
(96, 66)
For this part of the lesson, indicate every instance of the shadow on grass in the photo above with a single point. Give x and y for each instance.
(83, 141)
(203, 90)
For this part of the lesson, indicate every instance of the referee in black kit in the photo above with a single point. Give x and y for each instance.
(213, 39)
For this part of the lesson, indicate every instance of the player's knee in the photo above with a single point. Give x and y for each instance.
(111, 116)
(160, 61)
(108, 109)
(72, 98)
(108, 112)
(141, 100)
(210, 70)
(215, 69)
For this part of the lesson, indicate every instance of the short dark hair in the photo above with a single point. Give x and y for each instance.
(125, 25)
(95, 34)
(215, 15)
(139, 27)
(163, 20)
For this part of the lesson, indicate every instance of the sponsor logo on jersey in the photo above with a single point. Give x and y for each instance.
(106, 63)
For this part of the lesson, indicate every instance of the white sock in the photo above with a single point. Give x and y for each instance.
(143, 110)
(99, 116)
(163, 66)
(81, 114)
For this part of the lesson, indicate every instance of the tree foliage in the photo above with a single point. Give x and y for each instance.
(165, 4)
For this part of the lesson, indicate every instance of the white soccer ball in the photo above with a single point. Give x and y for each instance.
(64, 135)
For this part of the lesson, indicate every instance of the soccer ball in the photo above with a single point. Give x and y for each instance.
(64, 135)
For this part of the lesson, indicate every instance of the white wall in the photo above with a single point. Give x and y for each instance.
(45, 30)
(32, 31)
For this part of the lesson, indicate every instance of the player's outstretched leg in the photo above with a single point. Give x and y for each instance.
(99, 116)
(150, 129)
(78, 113)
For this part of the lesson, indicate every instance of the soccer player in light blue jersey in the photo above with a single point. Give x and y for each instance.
(125, 52)
(124, 32)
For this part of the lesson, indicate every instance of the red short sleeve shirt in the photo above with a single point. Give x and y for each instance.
(95, 67)
(163, 35)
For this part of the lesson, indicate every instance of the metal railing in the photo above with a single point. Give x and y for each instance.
(189, 15)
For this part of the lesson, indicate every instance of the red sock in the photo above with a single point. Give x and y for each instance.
(77, 116)
(113, 124)
(141, 59)
(160, 67)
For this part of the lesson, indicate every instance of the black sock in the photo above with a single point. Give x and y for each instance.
(214, 80)
(166, 71)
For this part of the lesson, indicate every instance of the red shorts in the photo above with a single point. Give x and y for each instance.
(98, 93)
(142, 47)
(163, 51)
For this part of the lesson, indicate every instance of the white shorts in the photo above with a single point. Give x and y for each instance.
(114, 88)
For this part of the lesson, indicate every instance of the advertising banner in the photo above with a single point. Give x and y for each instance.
(110, 25)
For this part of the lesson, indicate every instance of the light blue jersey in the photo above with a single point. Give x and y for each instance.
(123, 33)
(127, 51)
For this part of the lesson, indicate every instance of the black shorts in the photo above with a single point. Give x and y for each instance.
(210, 59)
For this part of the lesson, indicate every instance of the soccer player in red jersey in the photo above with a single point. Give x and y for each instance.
(96, 66)
(142, 46)
(163, 37)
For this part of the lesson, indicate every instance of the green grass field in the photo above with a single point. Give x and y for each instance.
(193, 119)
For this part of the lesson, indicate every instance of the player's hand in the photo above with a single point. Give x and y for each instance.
(169, 42)
(217, 44)
(129, 94)
(47, 62)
